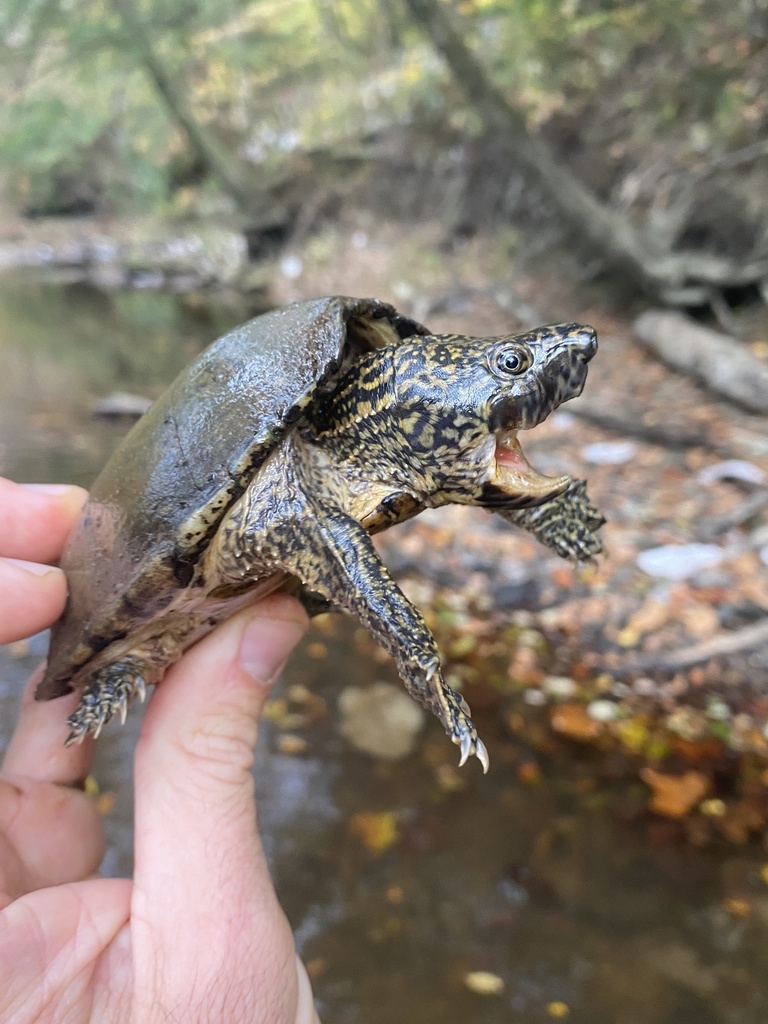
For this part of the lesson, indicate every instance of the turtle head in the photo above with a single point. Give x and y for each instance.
(464, 400)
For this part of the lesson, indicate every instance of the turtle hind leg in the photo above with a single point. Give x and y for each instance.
(109, 693)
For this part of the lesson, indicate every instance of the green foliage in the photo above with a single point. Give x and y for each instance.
(266, 78)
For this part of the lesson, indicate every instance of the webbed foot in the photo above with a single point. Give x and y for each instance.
(109, 693)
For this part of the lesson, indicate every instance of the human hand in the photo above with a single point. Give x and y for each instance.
(198, 934)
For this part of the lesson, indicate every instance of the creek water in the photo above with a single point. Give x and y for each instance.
(576, 913)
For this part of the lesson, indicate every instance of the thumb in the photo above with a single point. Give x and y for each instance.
(203, 718)
(200, 868)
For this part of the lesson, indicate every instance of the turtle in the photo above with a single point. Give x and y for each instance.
(269, 463)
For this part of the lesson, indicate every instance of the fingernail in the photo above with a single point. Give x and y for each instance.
(52, 489)
(36, 568)
(265, 646)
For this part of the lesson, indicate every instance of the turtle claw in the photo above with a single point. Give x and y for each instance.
(466, 748)
(461, 730)
(464, 734)
(473, 746)
(481, 753)
(76, 736)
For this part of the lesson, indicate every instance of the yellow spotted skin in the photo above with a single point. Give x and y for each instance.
(409, 421)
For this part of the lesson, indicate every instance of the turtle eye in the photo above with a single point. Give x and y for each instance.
(510, 360)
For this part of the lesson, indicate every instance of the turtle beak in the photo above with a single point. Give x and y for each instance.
(513, 474)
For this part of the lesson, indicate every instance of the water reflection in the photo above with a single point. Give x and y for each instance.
(577, 914)
(64, 347)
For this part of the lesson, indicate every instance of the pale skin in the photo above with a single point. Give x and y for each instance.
(197, 935)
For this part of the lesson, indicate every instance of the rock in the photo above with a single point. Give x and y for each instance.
(609, 453)
(121, 403)
(525, 592)
(603, 710)
(380, 720)
(483, 983)
(678, 561)
(535, 697)
(291, 267)
(561, 687)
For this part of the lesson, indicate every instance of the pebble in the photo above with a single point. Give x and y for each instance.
(718, 710)
(609, 453)
(121, 403)
(688, 723)
(560, 686)
(645, 687)
(563, 420)
(483, 983)
(291, 267)
(603, 710)
(678, 561)
(535, 697)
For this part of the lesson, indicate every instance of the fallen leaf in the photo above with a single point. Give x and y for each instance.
(573, 721)
(376, 830)
(652, 615)
(291, 745)
(105, 803)
(736, 907)
(699, 619)
(674, 795)
(529, 772)
(558, 1010)
(395, 895)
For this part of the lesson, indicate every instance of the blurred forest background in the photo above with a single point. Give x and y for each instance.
(171, 167)
(633, 134)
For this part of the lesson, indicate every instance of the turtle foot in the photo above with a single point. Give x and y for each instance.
(568, 524)
(462, 730)
(109, 693)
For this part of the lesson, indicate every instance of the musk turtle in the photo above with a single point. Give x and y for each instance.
(271, 460)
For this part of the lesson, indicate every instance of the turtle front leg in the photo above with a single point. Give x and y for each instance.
(332, 554)
(567, 524)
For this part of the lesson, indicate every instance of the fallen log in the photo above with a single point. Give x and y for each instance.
(716, 360)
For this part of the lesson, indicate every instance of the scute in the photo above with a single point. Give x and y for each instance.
(161, 496)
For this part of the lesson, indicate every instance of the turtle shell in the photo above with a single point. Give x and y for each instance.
(159, 500)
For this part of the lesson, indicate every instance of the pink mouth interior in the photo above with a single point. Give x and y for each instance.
(517, 476)
(510, 457)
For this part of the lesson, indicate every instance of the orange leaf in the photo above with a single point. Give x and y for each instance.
(674, 795)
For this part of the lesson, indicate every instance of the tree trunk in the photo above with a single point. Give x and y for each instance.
(219, 164)
(683, 277)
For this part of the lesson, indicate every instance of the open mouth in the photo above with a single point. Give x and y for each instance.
(517, 477)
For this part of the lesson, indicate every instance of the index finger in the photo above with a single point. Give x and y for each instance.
(35, 519)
